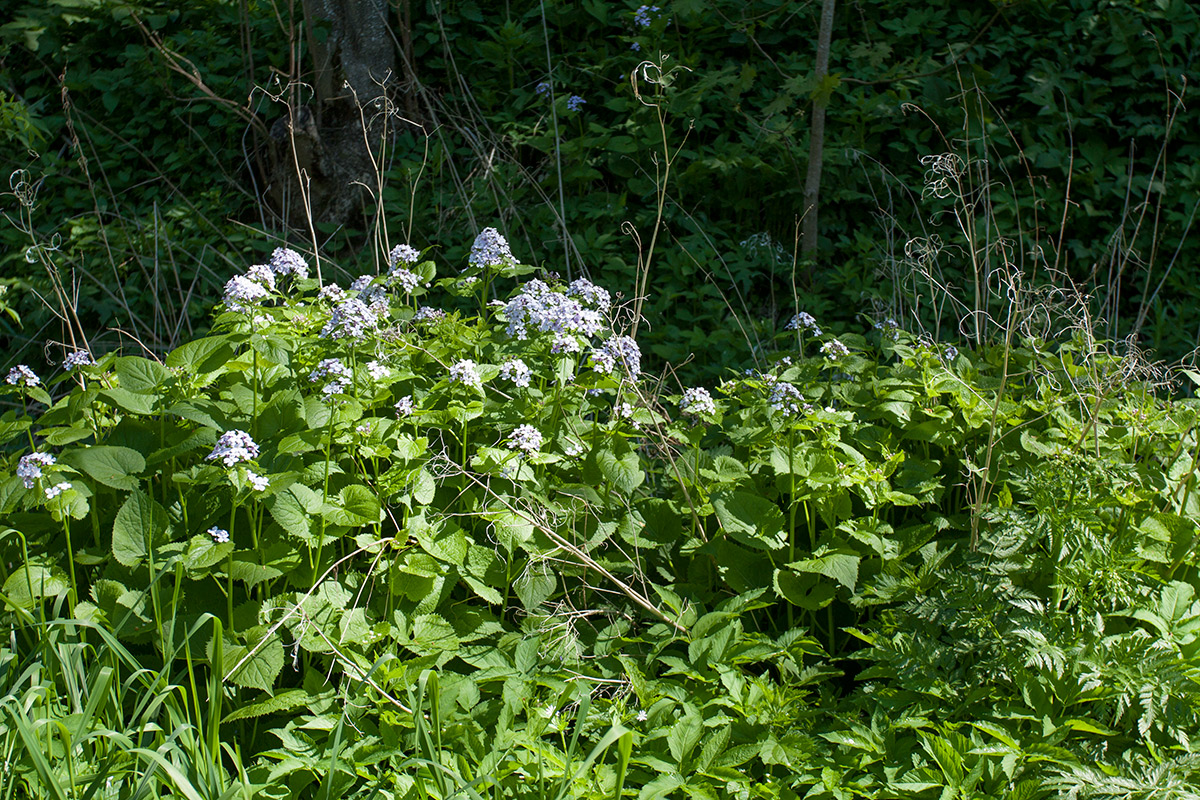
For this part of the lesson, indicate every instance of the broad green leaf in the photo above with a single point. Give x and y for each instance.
(432, 635)
(133, 402)
(685, 735)
(139, 524)
(842, 567)
(356, 506)
(30, 584)
(202, 552)
(117, 467)
(287, 510)
(805, 590)
(284, 701)
(620, 468)
(140, 375)
(750, 518)
(200, 356)
(255, 664)
(534, 588)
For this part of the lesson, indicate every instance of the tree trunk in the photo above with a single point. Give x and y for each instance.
(326, 150)
(816, 144)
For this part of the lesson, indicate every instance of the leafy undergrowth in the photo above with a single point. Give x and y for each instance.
(408, 540)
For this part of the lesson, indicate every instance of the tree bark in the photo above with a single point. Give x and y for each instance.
(325, 151)
(816, 144)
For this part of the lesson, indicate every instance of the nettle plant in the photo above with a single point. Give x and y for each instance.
(470, 530)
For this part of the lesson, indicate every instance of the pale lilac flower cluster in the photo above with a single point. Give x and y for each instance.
(697, 402)
(77, 359)
(527, 438)
(404, 406)
(257, 482)
(428, 314)
(262, 275)
(242, 292)
(351, 319)
(21, 375)
(234, 447)
(516, 371)
(619, 351)
(784, 397)
(361, 283)
(490, 250)
(29, 468)
(575, 102)
(285, 261)
(806, 321)
(407, 279)
(888, 328)
(332, 293)
(542, 87)
(642, 15)
(833, 350)
(219, 535)
(57, 489)
(403, 254)
(464, 372)
(549, 311)
(338, 374)
(377, 370)
(591, 294)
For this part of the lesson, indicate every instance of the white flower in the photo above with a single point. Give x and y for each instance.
(527, 438)
(464, 372)
(21, 375)
(407, 279)
(234, 447)
(804, 320)
(78, 358)
(490, 250)
(257, 482)
(262, 275)
(516, 371)
(403, 254)
(697, 402)
(351, 319)
(427, 314)
(219, 535)
(590, 293)
(833, 350)
(331, 293)
(242, 292)
(285, 261)
(57, 489)
(785, 398)
(377, 370)
(642, 716)
(404, 406)
(364, 429)
(338, 373)
(619, 351)
(29, 468)
(548, 311)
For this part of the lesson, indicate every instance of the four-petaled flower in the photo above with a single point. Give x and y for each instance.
(234, 447)
(525, 437)
(219, 535)
(21, 375)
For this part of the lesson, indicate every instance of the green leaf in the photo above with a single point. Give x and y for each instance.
(685, 735)
(804, 590)
(256, 664)
(284, 701)
(32, 583)
(140, 522)
(202, 552)
(140, 375)
(134, 403)
(841, 566)
(200, 356)
(357, 506)
(112, 466)
(620, 469)
(750, 518)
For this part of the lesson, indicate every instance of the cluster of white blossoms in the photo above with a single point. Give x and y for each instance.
(57, 489)
(490, 250)
(257, 482)
(525, 437)
(516, 371)
(619, 351)
(339, 376)
(697, 402)
(595, 296)
(785, 398)
(428, 314)
(805, 321)
(404, 406)
(833, 350)
(331, 293)
(234, 447)
(219, 535)
(539, 307)
(351, 319)
(464, 372)
(285, 261)
(21, 375)
(399, 260)
(244, 292)
(378, 370)
(78, 358)
(29, 468)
